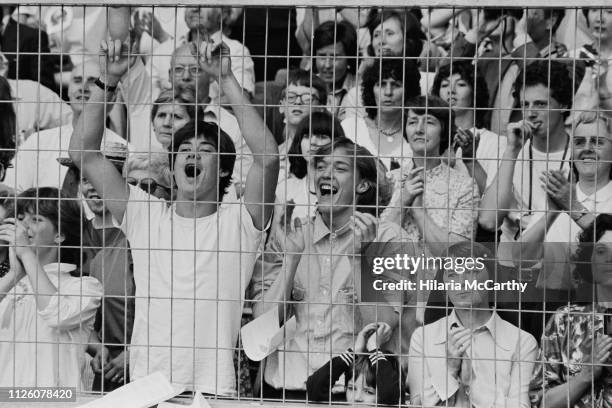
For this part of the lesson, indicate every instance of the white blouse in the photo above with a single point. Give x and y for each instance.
(46, 348)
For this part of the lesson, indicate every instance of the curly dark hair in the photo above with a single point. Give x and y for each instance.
(318, 123)
(437, 107)
(405, 71)
(586, 241)
(411, 28)
(465, 70)
(552, 74)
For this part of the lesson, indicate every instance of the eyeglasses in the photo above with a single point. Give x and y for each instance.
(147, 184)
(597, 142)
(193, 70)
(305, 98)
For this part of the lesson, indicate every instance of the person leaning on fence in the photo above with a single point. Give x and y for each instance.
(371, 375)
(193, 336)
(574, 368)
(472, 357)
(313, 264)
(47, 307)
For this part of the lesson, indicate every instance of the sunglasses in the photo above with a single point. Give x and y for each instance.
(147, 184)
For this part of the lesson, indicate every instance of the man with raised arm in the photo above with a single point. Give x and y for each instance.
(194, 259)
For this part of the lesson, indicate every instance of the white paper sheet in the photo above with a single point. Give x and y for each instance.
(142, 393)
(263, 336)
(198, 402)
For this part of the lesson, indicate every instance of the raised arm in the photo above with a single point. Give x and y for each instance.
(497, 199)
(89, 130)
(263, 175)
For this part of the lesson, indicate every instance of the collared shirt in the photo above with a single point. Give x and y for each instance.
(566, 344)
(326, 291)
(451, 199)
(336, 96)
(502, 358)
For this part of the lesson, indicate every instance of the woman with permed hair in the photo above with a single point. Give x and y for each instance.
(478, 149)
(385, 87)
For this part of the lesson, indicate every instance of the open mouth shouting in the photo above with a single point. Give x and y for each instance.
(192, 170)
(327, 189)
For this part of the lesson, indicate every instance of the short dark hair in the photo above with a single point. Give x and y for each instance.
(318, 123)
(480, 92)
(332, 32)
(371, 169)
(550, 12)
(7, 125)
(404, 70)
(64, 213)
(214, 134)
(300, 77)
(363, 366)
(551, 74)
(411, 29)
(586, 240)
(436, 106)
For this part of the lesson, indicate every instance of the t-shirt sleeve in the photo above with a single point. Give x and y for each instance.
(140, 211)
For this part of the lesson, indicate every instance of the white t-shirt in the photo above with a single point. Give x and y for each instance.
(488, 153)
(357, 130)
(36, 165)
(47, 347)
(190, 275)
(526, 184)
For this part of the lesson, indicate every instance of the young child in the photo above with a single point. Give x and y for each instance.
(371, 377)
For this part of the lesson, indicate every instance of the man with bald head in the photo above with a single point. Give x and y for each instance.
(35, 163)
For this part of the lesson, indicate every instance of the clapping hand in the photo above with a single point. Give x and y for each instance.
(468, 142)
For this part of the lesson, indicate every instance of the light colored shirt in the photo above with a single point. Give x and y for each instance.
(358, 131)
(529, 197)
(46, 348)
(450, 198)
(326, 291)
(37, 107)
(36, 165)
(488, 153)
(190, 275)
(502, 357)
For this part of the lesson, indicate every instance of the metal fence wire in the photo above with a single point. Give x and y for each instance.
(332, 203)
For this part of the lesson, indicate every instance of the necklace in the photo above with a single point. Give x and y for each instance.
(390, 133)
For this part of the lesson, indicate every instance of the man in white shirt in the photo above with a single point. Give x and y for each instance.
(537, 143)
(35, 163)
(193, 260)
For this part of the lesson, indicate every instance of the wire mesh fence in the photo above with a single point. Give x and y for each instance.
(381, 205)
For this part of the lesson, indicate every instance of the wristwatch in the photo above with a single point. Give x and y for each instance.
(105, 87)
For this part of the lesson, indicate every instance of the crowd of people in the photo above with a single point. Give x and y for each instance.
(169, 174)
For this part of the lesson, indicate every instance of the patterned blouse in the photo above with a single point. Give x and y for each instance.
(566, 343)
(451, 199)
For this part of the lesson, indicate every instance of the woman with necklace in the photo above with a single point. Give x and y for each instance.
(384, 88)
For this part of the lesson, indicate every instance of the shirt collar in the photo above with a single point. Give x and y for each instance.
(57, 268)
(602, 195)
(492, 325)
(320, 230)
